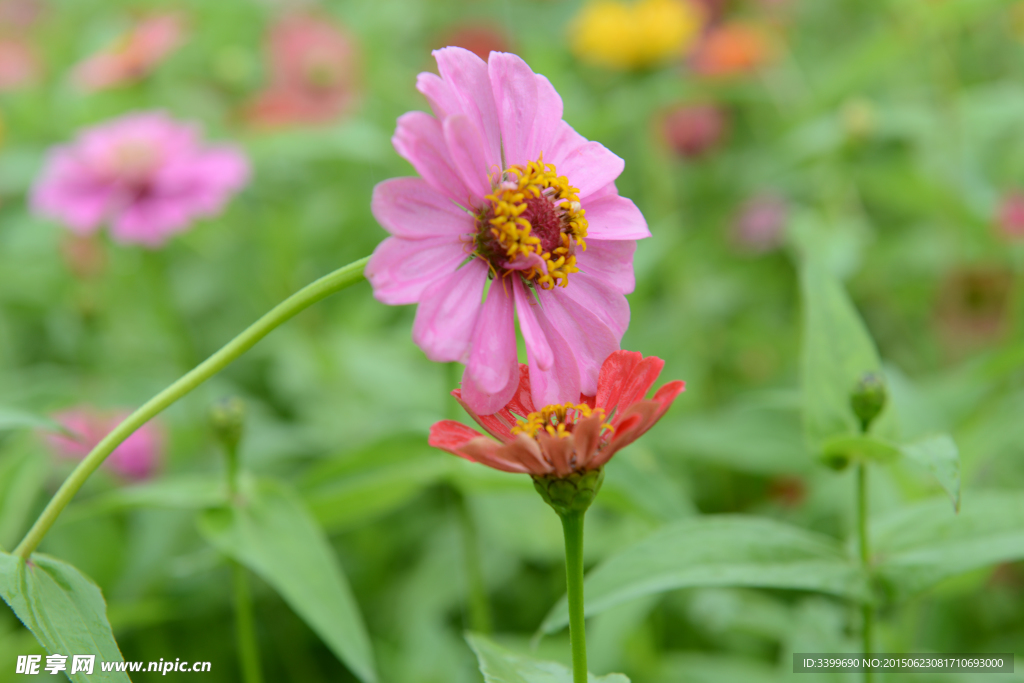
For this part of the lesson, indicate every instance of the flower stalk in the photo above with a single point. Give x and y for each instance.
(245, 626)
(572, 528)
(301, 300)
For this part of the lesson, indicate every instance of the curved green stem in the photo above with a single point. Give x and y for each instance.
(572, 527)
(304, 298)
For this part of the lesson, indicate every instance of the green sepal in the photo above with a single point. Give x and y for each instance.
(573, 493)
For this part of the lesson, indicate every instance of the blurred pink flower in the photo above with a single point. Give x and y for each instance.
(511, 196)
(19, 64)
(1010, 215)
(761, 223)
(18, 15)
(558, 440)
(693, 130)
(135, 459)
(313, 74)
(134, 55)
(479, 38)
(145, 174)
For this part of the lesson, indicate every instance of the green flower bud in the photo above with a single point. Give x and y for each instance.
(573, 493)
(868, 399)
(227, 417)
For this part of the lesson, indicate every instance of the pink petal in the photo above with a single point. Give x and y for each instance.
(610, 262)
(614, 218)
(527, 309)
(420, 140)
(492, 373)
(440, 97)
(561, 383)
(468, 155)
(562, 141)
(410, 208)
(498, 424)
(524, 450)
(447, 314)
(548, 123)
(466, 75)
(515, 93)
(601, 299)
(401, 269)
(589, 337)
(589, 168)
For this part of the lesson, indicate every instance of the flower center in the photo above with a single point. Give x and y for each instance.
(133, 161)
(533, 224)
(558, 420)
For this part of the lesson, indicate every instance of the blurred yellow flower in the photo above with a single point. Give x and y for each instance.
(633, 35)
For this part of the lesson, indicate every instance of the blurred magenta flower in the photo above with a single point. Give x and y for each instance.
(1010, 215)
(761, 223)
(479, 38)
(134, 55)
(145, 174)
(693, 130)
(513, 202)
(136, 459)
(19, 64)
(313, 73)
(560, 440)
(18, 15)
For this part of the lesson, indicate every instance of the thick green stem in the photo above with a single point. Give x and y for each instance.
(867, 610)
(304, 298)
(245, 626)
(572, 526)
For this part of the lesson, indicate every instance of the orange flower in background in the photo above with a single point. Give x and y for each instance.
(313, 73)
(19, 64)
(135, 55)
(634, 35)
(733, 49)
(480, 39)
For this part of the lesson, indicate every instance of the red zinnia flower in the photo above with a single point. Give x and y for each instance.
(560, 440)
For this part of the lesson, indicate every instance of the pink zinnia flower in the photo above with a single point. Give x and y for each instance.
(559, 440)
(145, 174)
(693, 130)
(514, 202)
(135, 459)
(134, 55)
(313, 74)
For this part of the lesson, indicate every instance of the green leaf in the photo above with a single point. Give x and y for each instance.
(498, 665)
(837, 353)
(941, 457)
(718, 550)
(274, 534)
(63, 609)
(917, 547)
(18, 419)
(859, 447)
(185, 492)
(22, 476)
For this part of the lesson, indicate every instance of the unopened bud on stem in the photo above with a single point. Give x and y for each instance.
(868, 399)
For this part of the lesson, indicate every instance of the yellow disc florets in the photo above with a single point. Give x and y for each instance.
(533, 223)
(558, 420)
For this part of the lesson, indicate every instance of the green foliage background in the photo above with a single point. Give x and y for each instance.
(893, 128)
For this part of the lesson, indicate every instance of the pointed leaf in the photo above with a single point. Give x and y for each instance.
(63, 609)
(19, 419)
(184, 492)
(718, 550)
(22, 476)
(941, 457)
(275, 535)
(837, 352)
(498, 665)
(916, 547)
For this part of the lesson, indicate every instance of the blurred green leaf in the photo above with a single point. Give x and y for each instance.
(354, 488)
(941, 457)
(498, 665)
(22, 476)
(63, 609)
(274, 535)
(18, 419)
(182, 492)
(916, 547)
(720, 550)
(855, 447)
(704, 668)
(837, 352)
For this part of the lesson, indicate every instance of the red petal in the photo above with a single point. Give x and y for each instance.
(449, 435)
(638, 418)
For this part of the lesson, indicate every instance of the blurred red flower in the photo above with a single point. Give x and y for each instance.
(134, 55)
(313, 73)
(480, 39)
(19, 64)
(693, 130)
(1010, 215)
(732, 49)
